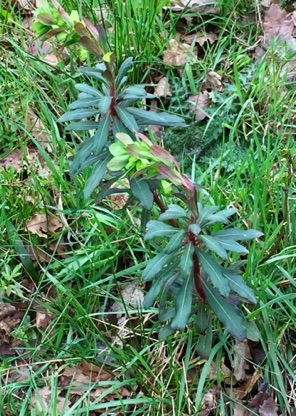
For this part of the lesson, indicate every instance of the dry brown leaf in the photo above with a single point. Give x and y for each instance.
(268, 408)
(163, 88)
(44, 51)
(26, 6)
(213, 81)
(240, 392)
(6, 309)
(43, 320)
(266, 3)
(222, 369)
(277, 23)
(7, 325)
(178, 54)
(198, 103)
(201, 38)
(35, 126)
(202, 6)
(242, 358)
(14, 160)
(43, 225)
(42, 401)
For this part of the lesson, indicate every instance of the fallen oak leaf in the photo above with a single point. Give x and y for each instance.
(178, 54)
(43, 225)
(198, 103)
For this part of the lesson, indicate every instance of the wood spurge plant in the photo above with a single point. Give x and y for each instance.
(192, 265)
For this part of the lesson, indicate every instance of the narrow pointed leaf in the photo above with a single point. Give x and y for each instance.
(78, 114)
(173, 212)
(183, 304)
(214, 272)
(123, 70)
(93, 72)
(118, 127)
(155, 265)
(142, 192)
(186, 261)
(96, 176)
(150, 117)
(128, 119)
(204, 212)
(81, 156)
(101, 135)
(164, 280)
(84, 103)
(164, 156)
(104, 104)
(158, 229)
(204, 342)
(89, 90)
(238, 234)
(214, 245)
(231, 317)
(165, 331)
(221, 216)
(175, 242)
(83, 125)
(232, 245)
(238, 285)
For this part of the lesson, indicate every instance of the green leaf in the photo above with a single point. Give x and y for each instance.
(165, 331)
(215, 272)
(96, 176)
(155, 265)
(183, 304)
(123, 70)
(231, 245)
(104, 104)
(231, 317)
(118, 127)
(201, 319)
(127, 119)
(237, 234)
(137, 150)
(81, 156)
(195, 229)
(175, 242)
(204, 212)
(118, 162)
(164, 280)
(135, 91)
(101, 135)
(221, 216)
(173, 212)
(83, 125)
(214, 245)
(204, 342)
(142, 192)
(158, 229)
(77, 114)
(238, 285)
(84, 102)
(186, 262)
(253, 332)
(89, 90)
(92, 72)
(150, 117)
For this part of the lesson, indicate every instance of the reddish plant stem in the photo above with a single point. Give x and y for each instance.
(162, 207)
(196, 269)
(197, 277)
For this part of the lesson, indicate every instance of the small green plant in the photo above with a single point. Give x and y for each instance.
(113, 108)
(186, 231)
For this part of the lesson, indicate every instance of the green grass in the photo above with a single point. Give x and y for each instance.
(103, 251)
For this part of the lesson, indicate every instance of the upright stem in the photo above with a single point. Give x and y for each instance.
(162, 207)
